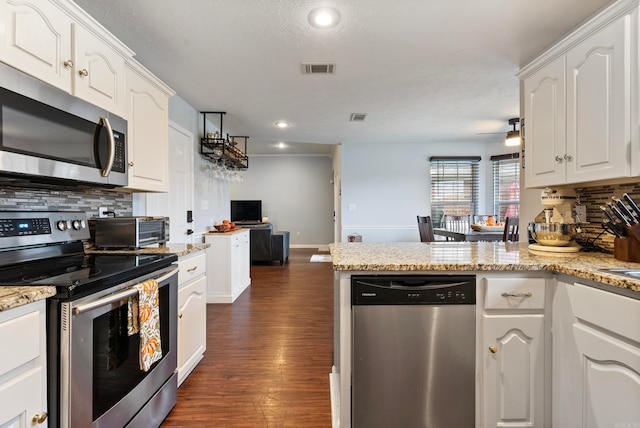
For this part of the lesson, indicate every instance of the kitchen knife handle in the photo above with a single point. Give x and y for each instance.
(618, 213)
(632, 203)
(625, 210)
(608, 214)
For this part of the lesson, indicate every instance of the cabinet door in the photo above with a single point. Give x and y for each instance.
(608, 375)
(98, 72)
(36, 39)
(513, 370)
(148, 145)
(21, 400)
(598, 105)
(545, 137)
(192, 323)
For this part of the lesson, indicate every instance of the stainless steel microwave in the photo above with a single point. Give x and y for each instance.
(49, 136)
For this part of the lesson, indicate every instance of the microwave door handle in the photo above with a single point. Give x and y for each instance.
(112, 147)
(116, 297)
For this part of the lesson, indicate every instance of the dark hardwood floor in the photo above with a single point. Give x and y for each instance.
(268, 355)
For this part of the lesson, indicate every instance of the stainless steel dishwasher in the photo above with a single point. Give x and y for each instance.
(413, 351)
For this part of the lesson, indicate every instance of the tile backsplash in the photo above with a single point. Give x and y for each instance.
(592, 198)
(88, 200)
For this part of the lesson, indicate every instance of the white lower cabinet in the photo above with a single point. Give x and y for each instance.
(229, 264)
(513, 352)
(23, 373)
(596, 355)
(192, 313)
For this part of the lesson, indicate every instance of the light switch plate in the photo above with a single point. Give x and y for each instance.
(581, 213)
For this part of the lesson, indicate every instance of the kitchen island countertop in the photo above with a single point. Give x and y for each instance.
(477, 256)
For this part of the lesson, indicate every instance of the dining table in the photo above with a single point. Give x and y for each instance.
(469, 234)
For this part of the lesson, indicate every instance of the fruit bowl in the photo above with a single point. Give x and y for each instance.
(553, 234)
(222, 227)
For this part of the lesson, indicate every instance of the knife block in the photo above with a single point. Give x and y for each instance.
(626, 249)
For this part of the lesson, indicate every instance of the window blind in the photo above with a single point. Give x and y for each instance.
(454, 186)
(506, 185)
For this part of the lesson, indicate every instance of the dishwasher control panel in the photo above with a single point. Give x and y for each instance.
(413, 290)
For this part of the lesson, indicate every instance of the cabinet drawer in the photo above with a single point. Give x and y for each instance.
(606, 310)
(192, 267)
(23, 332)
(514, 293)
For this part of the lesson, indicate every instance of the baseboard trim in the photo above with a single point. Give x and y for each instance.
(319, 247)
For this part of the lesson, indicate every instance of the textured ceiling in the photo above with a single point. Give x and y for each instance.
(424, 71)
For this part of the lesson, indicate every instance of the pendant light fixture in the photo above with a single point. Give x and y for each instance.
(513, 136)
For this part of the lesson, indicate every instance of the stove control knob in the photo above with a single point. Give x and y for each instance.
(62, 225)
(78, 224)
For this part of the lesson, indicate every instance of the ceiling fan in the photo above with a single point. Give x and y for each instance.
(512, 138)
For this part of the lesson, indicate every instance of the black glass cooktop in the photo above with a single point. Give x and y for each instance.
(78, 275)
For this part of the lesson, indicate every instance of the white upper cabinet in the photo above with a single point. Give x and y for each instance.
(544, 130)
(37, 40)
(55, 45)
(598, 107)
(98, 75)
(577, 103)
(147, 113)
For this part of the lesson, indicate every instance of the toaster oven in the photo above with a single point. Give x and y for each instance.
(130, 232)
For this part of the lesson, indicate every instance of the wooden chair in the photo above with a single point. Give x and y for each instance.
(423, 219)
(511, 229)
(457, 223)
(426, 230)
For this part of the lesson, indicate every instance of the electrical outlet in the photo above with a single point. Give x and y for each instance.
(581, 213)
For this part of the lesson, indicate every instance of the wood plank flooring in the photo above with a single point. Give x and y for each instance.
(268, 355)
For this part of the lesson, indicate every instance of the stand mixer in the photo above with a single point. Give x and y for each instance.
(555, 234)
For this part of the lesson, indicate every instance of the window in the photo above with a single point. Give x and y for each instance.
(454, 186)
(506, 185)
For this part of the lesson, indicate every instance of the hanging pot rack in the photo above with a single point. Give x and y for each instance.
(224, 151)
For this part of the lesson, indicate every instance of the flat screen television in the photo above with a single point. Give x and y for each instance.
(246, 211)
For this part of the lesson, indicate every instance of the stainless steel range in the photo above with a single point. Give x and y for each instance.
(94, 370)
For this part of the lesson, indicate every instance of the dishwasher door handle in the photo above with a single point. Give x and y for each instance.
(398, 286)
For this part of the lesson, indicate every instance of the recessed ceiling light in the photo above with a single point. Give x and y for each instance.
(281, 145)
(324, 17)
(282, 124)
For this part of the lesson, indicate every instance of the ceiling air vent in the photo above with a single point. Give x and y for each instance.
(358, 117)
(318, 68)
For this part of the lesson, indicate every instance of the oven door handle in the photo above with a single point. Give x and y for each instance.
(116, 297)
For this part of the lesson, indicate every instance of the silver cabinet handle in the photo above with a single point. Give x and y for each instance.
(68, 64)
(192, 269)
(130, 163)
(568, 157)
(83, 72)
(112, 147)
(558, 159)
(526, 294)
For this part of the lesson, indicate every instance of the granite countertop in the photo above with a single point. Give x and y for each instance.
(180, 250)
(228, 232)
(476, 256)
(12, 297)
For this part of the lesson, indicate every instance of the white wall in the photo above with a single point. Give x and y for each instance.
(384, 187)
(296, 194)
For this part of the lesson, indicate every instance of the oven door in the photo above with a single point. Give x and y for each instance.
(46, 133)
(101, 382)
